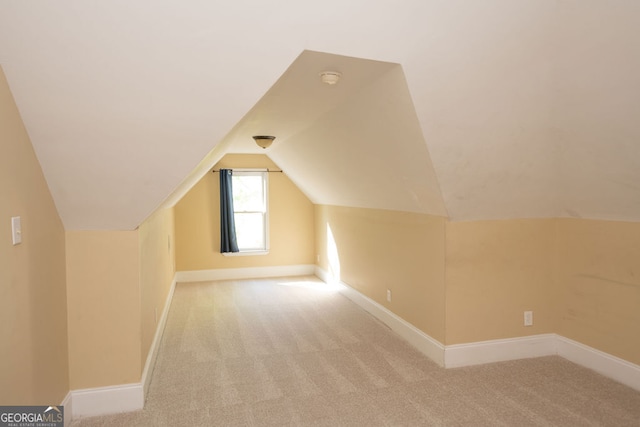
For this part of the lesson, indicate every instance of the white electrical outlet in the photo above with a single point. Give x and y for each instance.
(528, 318)
(389, 295)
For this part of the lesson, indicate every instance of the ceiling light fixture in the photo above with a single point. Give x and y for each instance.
(330, 77)
(264, 140)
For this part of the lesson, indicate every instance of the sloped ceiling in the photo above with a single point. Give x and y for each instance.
(475, 110)
(357, 143)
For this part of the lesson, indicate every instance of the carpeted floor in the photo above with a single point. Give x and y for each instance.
(288, 352)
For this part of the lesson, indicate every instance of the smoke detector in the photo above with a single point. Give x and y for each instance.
(330, 77)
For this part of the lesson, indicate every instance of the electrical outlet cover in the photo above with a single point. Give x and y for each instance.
(528, 318)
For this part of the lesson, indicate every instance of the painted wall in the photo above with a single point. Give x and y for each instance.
(374, 250)
(157, 270)
(495, 271)
(599, 272)
(197, 218)
(580, 278)
(33, 301)
(117, 282)
(463, 282)
(104, 300)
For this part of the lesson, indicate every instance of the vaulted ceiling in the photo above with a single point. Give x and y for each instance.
(473, 110)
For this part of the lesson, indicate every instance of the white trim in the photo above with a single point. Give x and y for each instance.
(322, 274)
(424, 343)
(477, 353)
(264, 174)
(247, 253)
(244, 273)
(130, 397)
(120, 398)
(67, 402)
(604, 363)
(155, 345)
(107, 400)
(249, 169)
(544, 345)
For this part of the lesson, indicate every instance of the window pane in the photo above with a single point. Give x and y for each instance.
(250, 231)
(248, 193)
(250, 209)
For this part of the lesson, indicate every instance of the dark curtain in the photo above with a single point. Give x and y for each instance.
(228, 241)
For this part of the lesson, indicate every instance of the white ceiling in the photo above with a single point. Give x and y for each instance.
(357, 143)
(475, 110)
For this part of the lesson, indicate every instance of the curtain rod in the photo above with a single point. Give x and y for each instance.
(258, 170)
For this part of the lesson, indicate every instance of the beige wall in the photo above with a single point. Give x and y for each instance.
(197, 218)
(98, 292)
(33, 302)
(104, 300)
(599, 272)
(379, 250)
(117, 282)
(495, 271)
(157, 269)
(463, 282)
(579, 277)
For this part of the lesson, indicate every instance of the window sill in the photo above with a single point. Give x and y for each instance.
(246, 253)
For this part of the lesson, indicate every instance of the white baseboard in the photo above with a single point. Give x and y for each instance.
(244, 273)
(323, 275)
(157, 338)
(107, 400)
(67, 402)
(120, 398)
(606, 364)
(477, 353)
(130, 397)
(427, 345)
(544, 345)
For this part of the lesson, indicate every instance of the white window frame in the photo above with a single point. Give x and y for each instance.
(264, 173)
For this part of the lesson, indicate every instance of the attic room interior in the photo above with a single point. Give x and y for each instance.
(478, 161)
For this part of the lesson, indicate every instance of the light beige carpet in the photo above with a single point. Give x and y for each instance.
(285, 352)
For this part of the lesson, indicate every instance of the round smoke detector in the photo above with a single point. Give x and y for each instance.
(330, 77)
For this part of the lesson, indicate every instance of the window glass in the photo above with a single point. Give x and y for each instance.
(250, 209)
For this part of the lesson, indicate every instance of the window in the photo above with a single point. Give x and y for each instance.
(250, 209)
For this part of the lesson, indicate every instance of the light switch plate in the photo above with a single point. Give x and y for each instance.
(16, 230)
